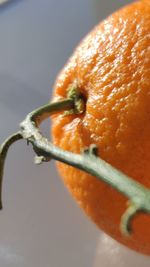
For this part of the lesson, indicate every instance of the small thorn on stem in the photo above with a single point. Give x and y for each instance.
(40, 159)
(92, 150)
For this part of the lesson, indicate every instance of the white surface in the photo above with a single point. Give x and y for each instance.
(41, 225)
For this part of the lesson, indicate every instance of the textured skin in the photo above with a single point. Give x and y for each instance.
(111, 67)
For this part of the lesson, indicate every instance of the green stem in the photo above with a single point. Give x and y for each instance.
(38, 115)
(88, 161)
(3, 153)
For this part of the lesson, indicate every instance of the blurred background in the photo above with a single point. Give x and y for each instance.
(41, 225)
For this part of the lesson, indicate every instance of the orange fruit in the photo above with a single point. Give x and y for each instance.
(111, 67)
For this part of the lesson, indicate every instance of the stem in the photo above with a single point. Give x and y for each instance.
(45, 111)
(88, 161)
(3, 153)
(39, 115)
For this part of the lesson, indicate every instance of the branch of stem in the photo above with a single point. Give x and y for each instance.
(3, 153)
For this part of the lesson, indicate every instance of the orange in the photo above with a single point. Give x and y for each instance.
(111, 67)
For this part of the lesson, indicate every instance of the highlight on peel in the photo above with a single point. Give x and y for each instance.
(111, 67)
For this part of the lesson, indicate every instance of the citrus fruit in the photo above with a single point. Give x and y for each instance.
(111, 67)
